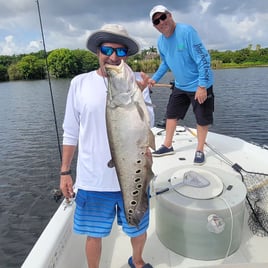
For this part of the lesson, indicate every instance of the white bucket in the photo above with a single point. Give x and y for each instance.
(202, 223)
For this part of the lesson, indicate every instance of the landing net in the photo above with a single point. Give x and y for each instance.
(257, 197)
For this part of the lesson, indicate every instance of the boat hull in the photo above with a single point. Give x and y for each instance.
(59, 247)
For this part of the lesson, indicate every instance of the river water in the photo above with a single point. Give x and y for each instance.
(29, 157)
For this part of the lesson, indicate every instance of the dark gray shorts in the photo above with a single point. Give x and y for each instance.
(179, 102)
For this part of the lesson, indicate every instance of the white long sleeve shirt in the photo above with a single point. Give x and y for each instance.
(84, 125)
(85, 122)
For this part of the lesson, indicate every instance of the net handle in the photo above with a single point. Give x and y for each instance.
(162, 85)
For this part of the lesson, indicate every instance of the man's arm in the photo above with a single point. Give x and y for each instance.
(66, 181)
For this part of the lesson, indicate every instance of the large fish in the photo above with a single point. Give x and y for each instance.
(129, 137)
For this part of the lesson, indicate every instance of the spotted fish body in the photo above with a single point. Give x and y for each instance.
(129, 137)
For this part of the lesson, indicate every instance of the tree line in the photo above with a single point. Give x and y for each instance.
(66, 63)
(246, 57)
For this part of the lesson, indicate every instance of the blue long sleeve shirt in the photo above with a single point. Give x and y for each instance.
(184, 54)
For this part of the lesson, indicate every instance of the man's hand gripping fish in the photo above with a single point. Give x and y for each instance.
(129, 137)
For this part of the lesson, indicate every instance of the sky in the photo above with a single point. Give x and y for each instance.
(221, 24)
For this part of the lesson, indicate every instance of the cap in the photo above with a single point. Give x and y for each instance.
(158, 9)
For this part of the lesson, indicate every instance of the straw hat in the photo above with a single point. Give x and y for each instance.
(112, 33)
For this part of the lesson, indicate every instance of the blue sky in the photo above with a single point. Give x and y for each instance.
(221, 24)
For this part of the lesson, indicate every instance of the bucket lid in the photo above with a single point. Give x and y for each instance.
(213, 189)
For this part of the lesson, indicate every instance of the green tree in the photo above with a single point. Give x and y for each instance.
(153, 49)
(3, 73)
(67, 63)
(85, 61)
(258, 47)
(264, 55)
(7, 60)
(241, 55)
(14, 73)
(62, 63)
(224, 57)
(31, 68)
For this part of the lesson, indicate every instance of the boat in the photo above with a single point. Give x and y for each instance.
(190, 225)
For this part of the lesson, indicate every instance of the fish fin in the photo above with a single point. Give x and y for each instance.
(140, 110)
(143, 117)
(151, 139)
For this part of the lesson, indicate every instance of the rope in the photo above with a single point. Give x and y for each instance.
(232, 226)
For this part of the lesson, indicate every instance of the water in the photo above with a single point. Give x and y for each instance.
(29, 165)
(29, 158)
(240, 103)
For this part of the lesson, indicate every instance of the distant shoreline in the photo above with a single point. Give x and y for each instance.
(238, 66)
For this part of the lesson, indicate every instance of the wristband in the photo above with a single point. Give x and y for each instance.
(68, 172)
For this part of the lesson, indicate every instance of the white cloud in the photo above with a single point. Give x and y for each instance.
(35, 46)
(8, 46)
(204, 6)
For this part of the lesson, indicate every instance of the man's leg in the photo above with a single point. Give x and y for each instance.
(170, 129)
(93, 251)
(137, 247)
(166, 148)
(202, 132)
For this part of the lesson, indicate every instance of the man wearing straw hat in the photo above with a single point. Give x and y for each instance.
(98, 199)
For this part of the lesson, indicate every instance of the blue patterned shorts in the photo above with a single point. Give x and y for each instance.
(95, 213)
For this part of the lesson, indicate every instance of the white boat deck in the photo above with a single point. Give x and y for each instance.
(67, 249)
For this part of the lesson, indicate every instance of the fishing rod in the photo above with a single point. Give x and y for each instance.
(49, 80)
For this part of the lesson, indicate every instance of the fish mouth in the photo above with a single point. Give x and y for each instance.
(114, 67)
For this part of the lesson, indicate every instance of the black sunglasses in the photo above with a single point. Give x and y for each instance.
(162, 17)
(119, 51)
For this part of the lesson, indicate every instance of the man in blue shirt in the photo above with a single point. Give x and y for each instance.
(182, 52)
